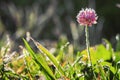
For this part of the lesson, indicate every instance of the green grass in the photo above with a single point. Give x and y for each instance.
(65, 64)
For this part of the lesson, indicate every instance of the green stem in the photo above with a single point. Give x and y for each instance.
(88, 51)
(88, 44)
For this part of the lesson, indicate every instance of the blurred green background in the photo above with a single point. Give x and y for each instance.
(49, 20)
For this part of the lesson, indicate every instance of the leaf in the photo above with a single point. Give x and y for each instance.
(39, 60)
(117, 56)
(92, 55)
(50, 56)
(97, 53)
(110, 66)
(102, 72)
(103, 53)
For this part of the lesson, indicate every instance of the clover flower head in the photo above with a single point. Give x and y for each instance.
(87, 17)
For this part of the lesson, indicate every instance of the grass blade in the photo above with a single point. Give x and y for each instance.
(40, 61)
(49, 55)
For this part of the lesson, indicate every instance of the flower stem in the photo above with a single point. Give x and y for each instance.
(88, 44)
(88, 51)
